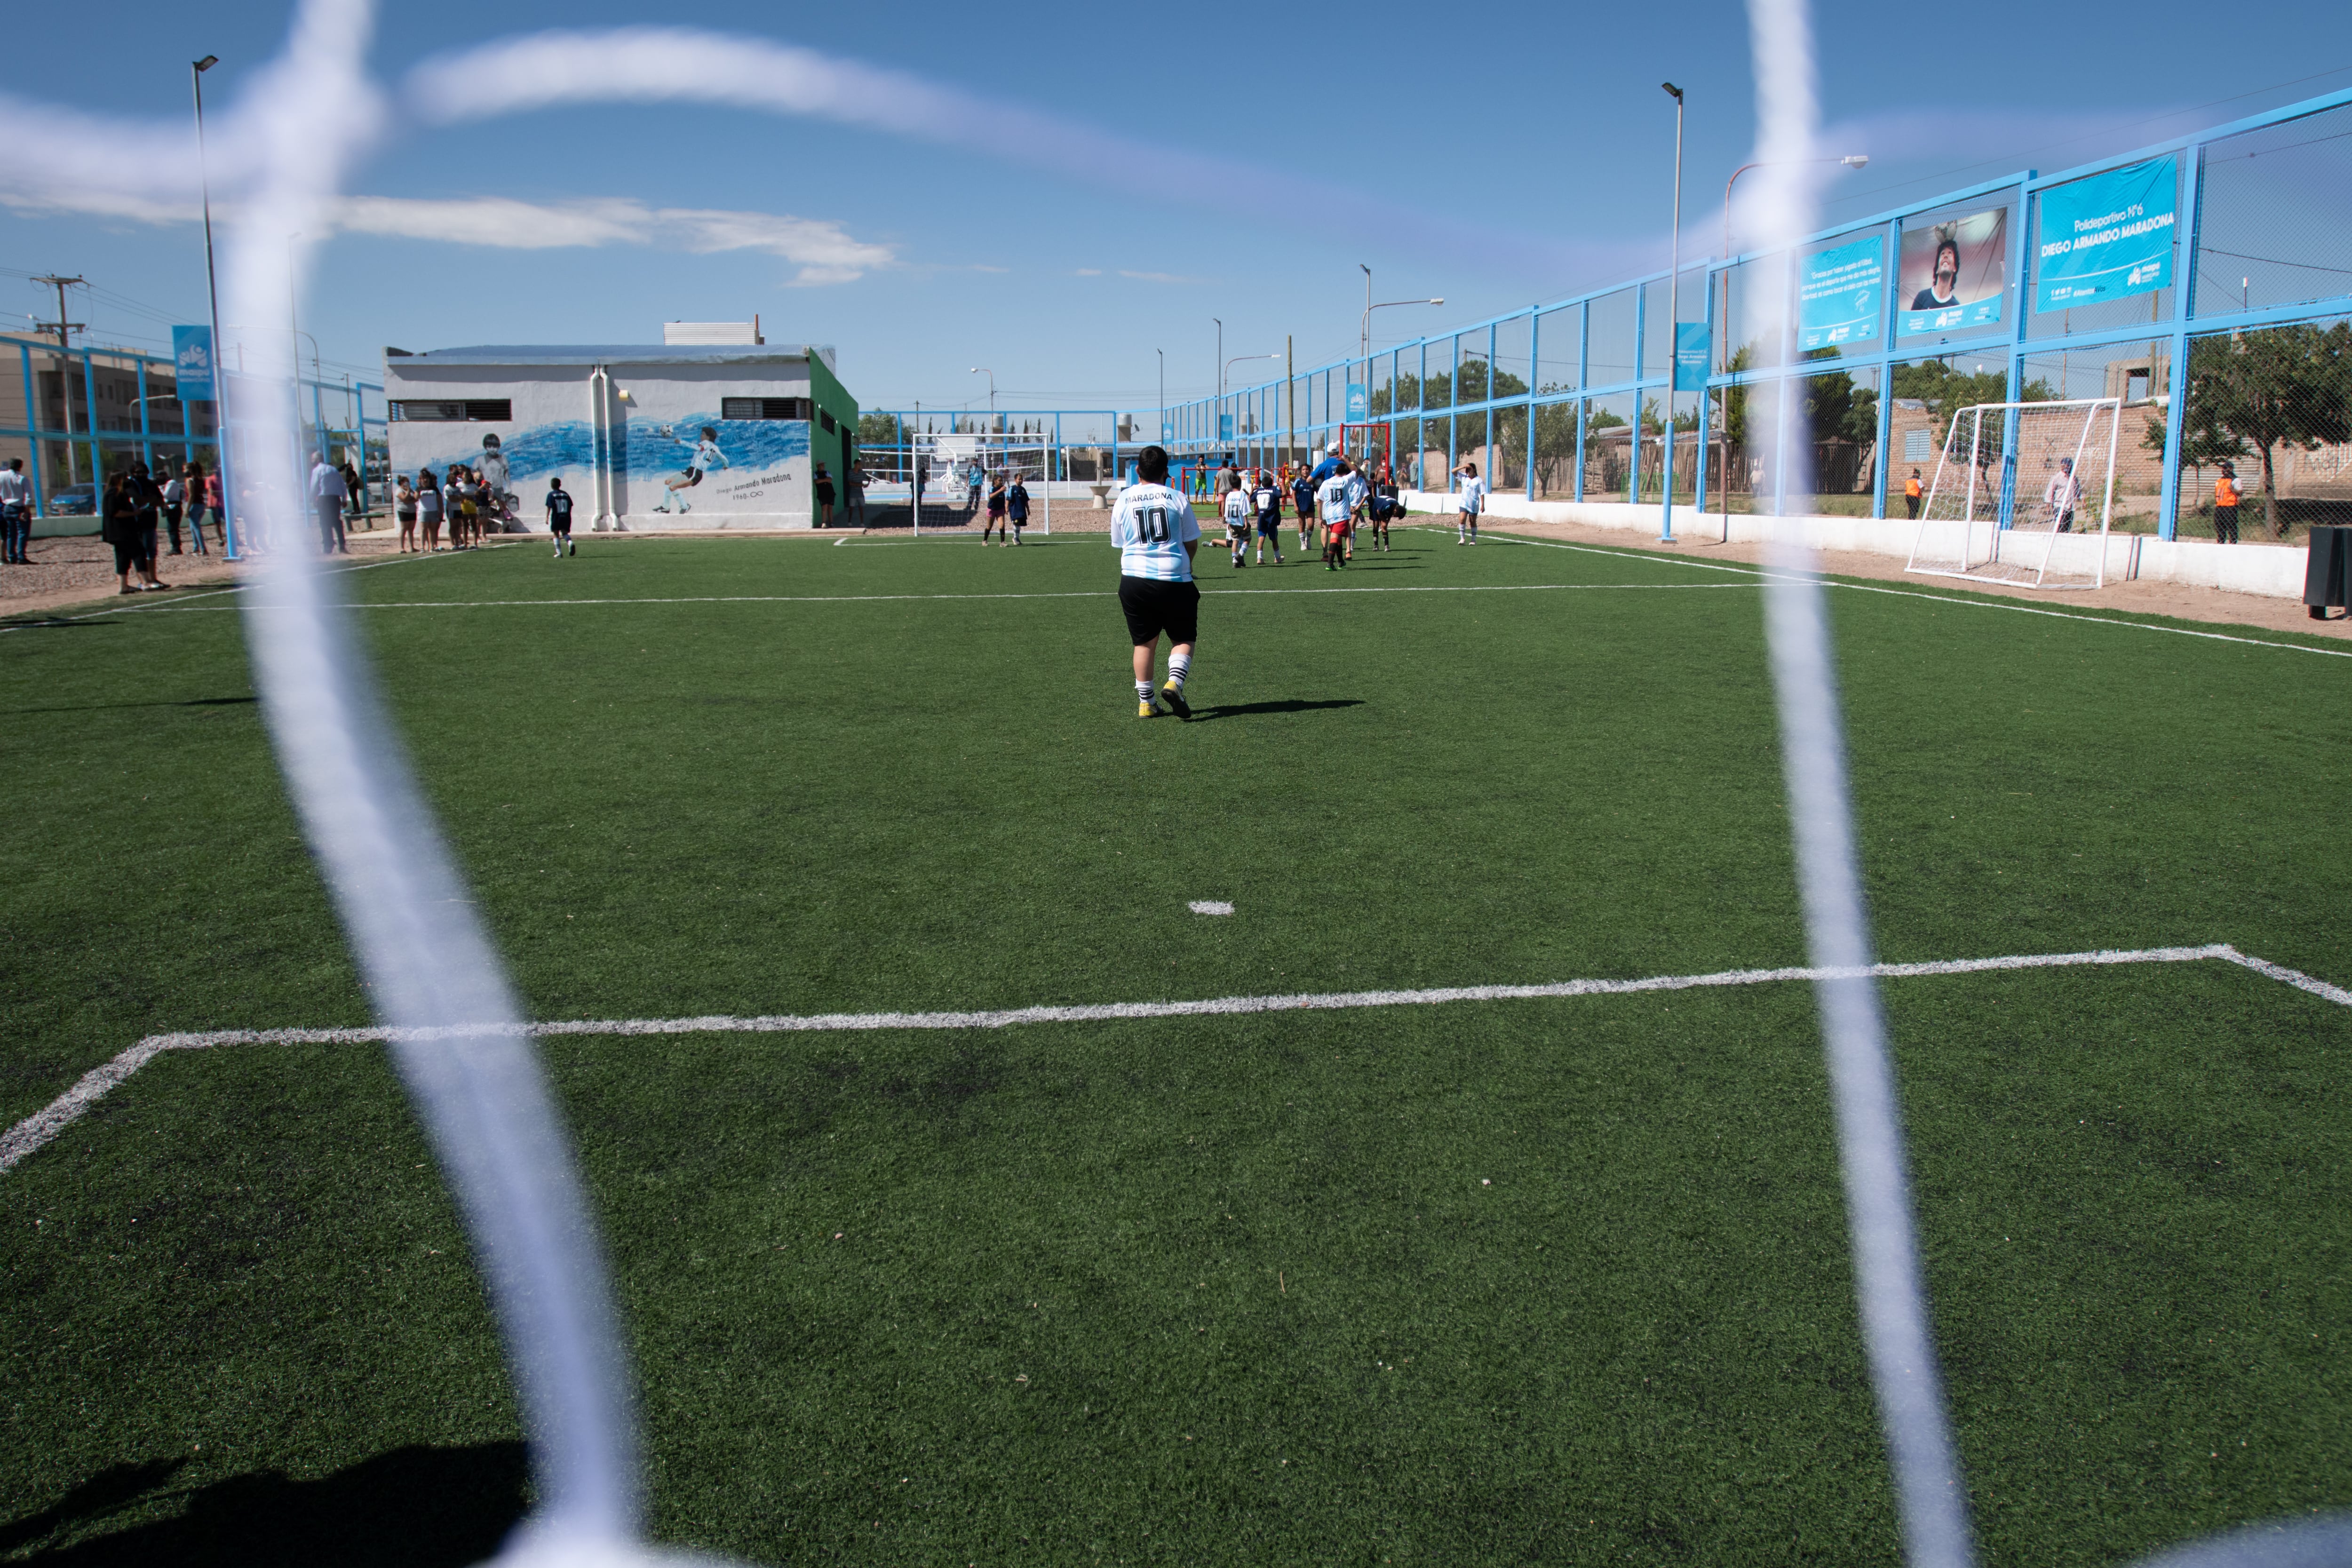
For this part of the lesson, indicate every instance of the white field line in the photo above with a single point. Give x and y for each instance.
(187, 601)
(38, 1129)
(1983, 602)
(1220, 593)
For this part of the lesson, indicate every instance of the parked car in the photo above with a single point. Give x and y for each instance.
(75, 501)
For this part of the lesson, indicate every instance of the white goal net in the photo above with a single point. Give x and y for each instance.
(2022, 494)
(940, 480)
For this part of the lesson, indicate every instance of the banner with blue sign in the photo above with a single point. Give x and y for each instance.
(1842, 294)
(1358, 406)
(191, 351)
(2106, 237)
(1694, 354)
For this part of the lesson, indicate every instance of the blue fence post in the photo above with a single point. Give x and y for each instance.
(146, 431)
(1583, 380)
(2184, 304)
(2022, 251)
(97, 451)
(1888, 305)
(1705, 421)
(1634, 442)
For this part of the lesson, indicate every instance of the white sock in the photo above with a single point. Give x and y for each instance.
(1179, 665)
(1143, 691)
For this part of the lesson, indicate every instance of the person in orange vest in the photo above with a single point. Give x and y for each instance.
(1911, 493)
(2225, 506)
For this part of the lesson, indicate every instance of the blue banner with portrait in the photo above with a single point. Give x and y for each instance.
(191, 351)
(1842, 294)
(2106, 237)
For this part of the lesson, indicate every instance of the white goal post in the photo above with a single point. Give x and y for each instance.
(950, 463)
(2023, 494)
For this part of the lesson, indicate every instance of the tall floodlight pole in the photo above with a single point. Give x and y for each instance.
(1367, 337)
(1163, 395)
(983, 369)
(1220, 425)
(1673, 324)
(1364, 338)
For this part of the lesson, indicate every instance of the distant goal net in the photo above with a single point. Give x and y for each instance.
(940, 480)
(2022, 494)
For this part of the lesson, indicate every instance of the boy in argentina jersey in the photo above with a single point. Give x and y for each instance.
(1335, 499)
(1156, 533)
(1470, 497)
(1237, 521)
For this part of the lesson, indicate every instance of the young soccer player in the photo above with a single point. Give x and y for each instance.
(1156, 533)
(1237, 523)
(1016, 506)
(1470, 499)
(1267, 497)
(559, 517)
(1335, 501)
(1302, 501)
(996, 515)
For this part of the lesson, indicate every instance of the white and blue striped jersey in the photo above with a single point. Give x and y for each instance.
(1469, 493)
(1151, 524)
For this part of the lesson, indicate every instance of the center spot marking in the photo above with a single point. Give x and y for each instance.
(1211, 907)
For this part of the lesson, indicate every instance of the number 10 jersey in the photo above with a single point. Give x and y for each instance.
(1151, 524)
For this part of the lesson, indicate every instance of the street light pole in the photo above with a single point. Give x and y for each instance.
(1163, 393)
(1221, 375)
(983, 369)
(196, 70)
(1674, 325)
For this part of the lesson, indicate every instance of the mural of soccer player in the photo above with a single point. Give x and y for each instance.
(1943, 291)
(493, 469)
(702, 457)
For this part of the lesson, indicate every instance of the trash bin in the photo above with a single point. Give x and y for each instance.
(2329, 573)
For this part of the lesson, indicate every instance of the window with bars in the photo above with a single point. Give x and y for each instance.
(765, 408)
(476, 410)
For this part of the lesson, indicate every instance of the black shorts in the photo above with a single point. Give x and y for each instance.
(558, 523)
(1153, 607)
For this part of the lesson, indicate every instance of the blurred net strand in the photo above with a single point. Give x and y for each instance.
(1930, 1496)
(419, 942)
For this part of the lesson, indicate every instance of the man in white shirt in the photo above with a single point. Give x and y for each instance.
(328, 493)
(15, 513)
(1156, 533)
(1470, 500)
(1335, 499)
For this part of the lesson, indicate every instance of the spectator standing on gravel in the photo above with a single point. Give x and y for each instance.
(428, 509)
(175, 496)
(15, 513)
(404, 512)
(854, 496)
(121, 526)
(209, 487)
(355, 493)
(328, 493)
(192, 495)
(1911, 495)
(823, 484)
(148, 497)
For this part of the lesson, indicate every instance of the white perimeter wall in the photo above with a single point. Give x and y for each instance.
(2273, 570)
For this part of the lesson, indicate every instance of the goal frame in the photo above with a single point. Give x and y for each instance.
(1383, 429)
(2003, 526)
(994, 451)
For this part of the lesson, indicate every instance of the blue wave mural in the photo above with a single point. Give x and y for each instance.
(753, 444)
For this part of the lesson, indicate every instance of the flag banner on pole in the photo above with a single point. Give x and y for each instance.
(1694, 351)
(191, 351)
(1358, 406)
(2107, 236)
(1842, 294)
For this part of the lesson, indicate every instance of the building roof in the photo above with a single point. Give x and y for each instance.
(615, 353)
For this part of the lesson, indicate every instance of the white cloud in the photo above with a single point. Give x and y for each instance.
(1155, 277)
(825, 252)
(1089, 272)
(822, 250)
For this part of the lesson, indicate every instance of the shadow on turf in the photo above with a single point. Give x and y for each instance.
(413, 1508)
(105, 707)
(1290, 705)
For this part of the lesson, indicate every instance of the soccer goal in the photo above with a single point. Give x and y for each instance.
(944, 479)
(2023, 494)
(1367, 445)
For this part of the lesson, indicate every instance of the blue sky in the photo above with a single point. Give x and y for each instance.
(1231, 163)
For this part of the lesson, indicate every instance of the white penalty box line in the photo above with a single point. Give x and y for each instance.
(39, 1128)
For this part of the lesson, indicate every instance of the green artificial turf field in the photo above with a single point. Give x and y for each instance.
(1553, 1280)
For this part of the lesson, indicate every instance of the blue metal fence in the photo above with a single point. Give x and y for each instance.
(127, 407)
(1558, 396)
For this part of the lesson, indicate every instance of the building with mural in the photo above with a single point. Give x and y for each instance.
(682, 434)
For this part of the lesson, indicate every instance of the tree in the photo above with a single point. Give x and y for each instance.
(878, 430)
(2253, 393)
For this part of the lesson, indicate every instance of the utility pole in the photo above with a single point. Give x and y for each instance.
(65, 331)
(1290, 396)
